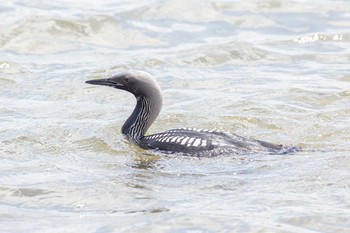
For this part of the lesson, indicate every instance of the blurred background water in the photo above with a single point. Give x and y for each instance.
(273, 70)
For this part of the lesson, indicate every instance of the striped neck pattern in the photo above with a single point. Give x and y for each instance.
(137, 124)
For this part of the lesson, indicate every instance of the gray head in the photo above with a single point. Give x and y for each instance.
(139, 83)
(147, 92)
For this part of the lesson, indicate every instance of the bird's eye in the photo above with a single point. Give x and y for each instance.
(126, 80)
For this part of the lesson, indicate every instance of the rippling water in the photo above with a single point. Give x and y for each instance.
(273, 70)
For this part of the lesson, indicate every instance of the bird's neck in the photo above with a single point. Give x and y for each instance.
(144, 114)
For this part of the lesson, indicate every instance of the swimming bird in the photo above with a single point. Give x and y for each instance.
(188, 141)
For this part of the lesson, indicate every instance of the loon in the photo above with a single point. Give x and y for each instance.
(188, 141)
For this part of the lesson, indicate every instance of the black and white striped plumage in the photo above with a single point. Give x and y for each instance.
(189, 141)
(202, 142)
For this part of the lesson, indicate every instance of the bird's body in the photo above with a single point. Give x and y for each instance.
(188, 141)
(203, 142)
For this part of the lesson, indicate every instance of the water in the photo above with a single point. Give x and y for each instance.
(272, 70)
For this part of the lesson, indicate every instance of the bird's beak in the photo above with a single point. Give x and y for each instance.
(105, 82)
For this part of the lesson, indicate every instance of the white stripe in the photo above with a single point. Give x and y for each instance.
(197, 142)
(168, 139)
(184, 141)
(179, 139)
(174, 139)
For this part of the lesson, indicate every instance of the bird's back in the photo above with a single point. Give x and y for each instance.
(200, 142)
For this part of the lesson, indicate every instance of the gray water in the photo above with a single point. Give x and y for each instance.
(273, 70)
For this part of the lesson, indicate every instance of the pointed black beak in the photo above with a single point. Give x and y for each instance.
(106, 82)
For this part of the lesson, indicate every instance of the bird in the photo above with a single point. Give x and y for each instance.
(185, 141)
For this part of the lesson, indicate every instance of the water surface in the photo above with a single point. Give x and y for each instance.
(271, 70)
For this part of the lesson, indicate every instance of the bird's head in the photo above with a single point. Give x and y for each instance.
(138, 83)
